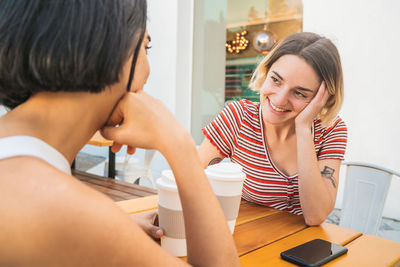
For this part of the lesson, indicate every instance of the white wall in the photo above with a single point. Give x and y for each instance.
(170, 25)
(162, 25)
(367, 36)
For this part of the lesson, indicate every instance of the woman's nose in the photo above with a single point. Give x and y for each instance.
(281, 97)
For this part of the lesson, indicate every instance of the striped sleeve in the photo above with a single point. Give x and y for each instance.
(222, 132)
(334, 141)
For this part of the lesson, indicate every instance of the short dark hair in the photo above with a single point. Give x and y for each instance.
(65, 45)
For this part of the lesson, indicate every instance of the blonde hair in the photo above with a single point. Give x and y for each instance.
(322, 55)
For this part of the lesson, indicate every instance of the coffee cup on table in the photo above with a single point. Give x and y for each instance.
(226, 180)
(170, 216)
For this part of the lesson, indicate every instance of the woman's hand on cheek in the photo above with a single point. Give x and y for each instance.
(311, 111)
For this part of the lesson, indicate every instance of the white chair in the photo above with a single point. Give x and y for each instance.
(129, 170)
(145, 171)
(365, 193)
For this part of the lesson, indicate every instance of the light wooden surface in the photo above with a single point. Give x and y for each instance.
(369, 250)
(138, 205)
(270, 255)
(99, 140)
(250, 212)
(262, 233)
(266, 230)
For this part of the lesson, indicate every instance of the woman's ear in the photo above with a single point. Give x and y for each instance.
(330, 102)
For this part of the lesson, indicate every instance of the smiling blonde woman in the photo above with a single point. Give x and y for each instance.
(292, 142)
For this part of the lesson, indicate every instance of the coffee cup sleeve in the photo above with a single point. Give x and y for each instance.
(230, 206)
(172, 222)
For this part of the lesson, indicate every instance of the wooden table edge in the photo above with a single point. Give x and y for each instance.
(137, 205)
(98, 140)
(257, 217)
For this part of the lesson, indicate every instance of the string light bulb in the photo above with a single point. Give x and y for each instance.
(239, 44)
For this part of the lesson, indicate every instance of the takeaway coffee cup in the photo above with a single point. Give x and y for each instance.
(170, 215)
(226, 180)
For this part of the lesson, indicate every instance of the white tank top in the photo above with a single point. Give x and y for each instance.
(15, 146)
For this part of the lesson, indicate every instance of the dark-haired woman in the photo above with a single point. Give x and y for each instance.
(290, 144)
(66, 68)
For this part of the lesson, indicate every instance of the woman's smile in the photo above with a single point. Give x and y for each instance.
(275, 109)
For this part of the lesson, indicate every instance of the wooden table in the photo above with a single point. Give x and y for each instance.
(116, 190)
(261, 233)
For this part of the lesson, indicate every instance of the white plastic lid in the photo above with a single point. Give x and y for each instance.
(225, 171)
(167, 181)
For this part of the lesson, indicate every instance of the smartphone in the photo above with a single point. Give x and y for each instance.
(313, 253)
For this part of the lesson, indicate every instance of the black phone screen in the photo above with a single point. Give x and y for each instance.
(313, 253)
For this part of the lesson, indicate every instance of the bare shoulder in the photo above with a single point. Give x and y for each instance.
(50, 218)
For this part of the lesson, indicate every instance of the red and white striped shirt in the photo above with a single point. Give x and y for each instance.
(237, 133)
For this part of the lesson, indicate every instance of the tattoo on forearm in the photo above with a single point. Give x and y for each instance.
(328, 174)
(215, 161)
